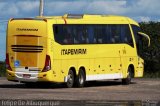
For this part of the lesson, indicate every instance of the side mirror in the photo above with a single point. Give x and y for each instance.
(146, 36)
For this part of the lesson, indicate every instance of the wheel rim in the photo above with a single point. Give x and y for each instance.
(70, 79)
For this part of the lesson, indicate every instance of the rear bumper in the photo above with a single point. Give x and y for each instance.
(34, 76)
(18, 76)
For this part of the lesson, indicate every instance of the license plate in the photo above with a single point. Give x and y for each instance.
(26, 75)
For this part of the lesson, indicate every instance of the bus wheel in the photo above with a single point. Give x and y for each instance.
(70, 80)
(127, 80)
(80, 78)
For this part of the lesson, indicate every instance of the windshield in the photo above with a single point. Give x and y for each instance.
(138, 38)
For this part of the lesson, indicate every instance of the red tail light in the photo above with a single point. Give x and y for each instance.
(47, 66)
(7, 63)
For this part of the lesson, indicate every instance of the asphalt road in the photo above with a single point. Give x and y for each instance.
(139, 89)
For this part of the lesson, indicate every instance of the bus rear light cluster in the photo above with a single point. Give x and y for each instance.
(8, 67)
(47, 66)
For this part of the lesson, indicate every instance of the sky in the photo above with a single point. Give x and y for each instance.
(139, 10)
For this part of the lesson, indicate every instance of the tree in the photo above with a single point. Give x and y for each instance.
(151, 55)
(2, 68)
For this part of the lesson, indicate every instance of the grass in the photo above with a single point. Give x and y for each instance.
(152, 74)
(2, 73)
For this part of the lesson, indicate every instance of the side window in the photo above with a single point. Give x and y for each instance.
(98, 34)
(68, 34)
(129, 36)
(107, 32)
(81, 34)
(115, 33)
(58, 33)
(90, 34)
(126, 36)
(112, 38)
(71, 34)
(63, 34)
(84, 35)
(136, 29)
(104, 34)
(78, 34)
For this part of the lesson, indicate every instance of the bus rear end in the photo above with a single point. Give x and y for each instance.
(26, 55)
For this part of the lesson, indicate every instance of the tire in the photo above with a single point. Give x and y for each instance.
(80, 81)
(70, 80)
(127, 80)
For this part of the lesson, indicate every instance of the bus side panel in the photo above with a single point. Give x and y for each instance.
(85, 63)
(107, 64)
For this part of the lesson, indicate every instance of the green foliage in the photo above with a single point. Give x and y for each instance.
(152, 75)
(2, 68)
(151, 55)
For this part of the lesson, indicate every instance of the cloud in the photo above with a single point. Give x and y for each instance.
(135, 9)
(149, 7)
(18, 8)
(28, 6)
(8, 9)
(107, 7)
(61, 7)
(145, 19)
(97, 7)
(145, 8)
(131, 8)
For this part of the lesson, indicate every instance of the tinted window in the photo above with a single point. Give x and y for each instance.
(138, 38)
(92, 34)
(136, 29)
(126, 36)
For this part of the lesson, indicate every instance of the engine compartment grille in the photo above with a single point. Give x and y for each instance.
(27, 48)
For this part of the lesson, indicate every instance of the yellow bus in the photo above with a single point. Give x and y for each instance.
(73, 49)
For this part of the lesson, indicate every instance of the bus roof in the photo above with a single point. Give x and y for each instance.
(92, 17)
